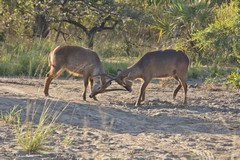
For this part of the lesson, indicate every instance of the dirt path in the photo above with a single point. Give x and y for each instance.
(112, 127)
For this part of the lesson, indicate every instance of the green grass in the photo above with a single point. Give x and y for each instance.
(29, 58)
(113, 64)
(197, 72)
(211, 71)
(11, 116)
(32, 137)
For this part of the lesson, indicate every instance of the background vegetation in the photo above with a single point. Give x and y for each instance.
(121, 31)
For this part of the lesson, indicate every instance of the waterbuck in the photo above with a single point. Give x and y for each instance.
(78, 61)
(156, 64)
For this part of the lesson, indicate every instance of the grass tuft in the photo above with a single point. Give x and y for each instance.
(12, 116)
(33, 137)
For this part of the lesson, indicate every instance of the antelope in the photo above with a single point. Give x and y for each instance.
(77, 61)
(156, 64)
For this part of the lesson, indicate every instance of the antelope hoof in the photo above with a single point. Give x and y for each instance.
(174, 98)
(46, 94)
(90, 96)
(137, 104)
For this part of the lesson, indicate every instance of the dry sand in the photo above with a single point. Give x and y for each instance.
(113, 128)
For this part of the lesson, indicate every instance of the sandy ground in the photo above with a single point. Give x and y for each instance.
(113, 128)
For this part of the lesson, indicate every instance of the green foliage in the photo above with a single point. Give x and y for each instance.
(112, 65)
(215, 71)
(234, 79)
(120, 46)
(12, 116)
(25, 58)
(197, 73)
(208, 31)
(31, 58)
(17, 16)
(31, 138)
(221, 38)
(180, 19)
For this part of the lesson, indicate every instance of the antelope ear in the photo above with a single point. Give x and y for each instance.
(126, 80)
(108, 83)
(99, 79)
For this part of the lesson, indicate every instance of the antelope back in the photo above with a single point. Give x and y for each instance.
(76, 59)
(155, 65)
(163, 63)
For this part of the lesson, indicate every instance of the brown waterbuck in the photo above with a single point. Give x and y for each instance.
(156, 64)
(78, 61)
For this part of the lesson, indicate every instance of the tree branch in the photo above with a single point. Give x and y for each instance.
(78, 24)
(102, 25)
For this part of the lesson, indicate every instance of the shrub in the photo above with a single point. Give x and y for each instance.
(234, 79)
(197, 72)
(220, 39)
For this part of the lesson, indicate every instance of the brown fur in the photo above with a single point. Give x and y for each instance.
(78, 61)
(157, 64)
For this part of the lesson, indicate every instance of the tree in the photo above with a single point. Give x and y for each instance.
(220, 40)
(89, 16)
(19, 15)
(93, 16)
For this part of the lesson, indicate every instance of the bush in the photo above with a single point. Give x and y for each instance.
(219, 41)
(234, 79)
(196, 72)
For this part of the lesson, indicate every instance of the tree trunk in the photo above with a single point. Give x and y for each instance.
(90, 36)
(40, 27)
(59, 31)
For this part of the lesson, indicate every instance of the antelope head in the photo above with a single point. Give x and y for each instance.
(124, 79)
(100, 84)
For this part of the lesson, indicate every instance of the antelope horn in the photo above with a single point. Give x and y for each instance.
(109, 76)
(115, 89)
(109, 81)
